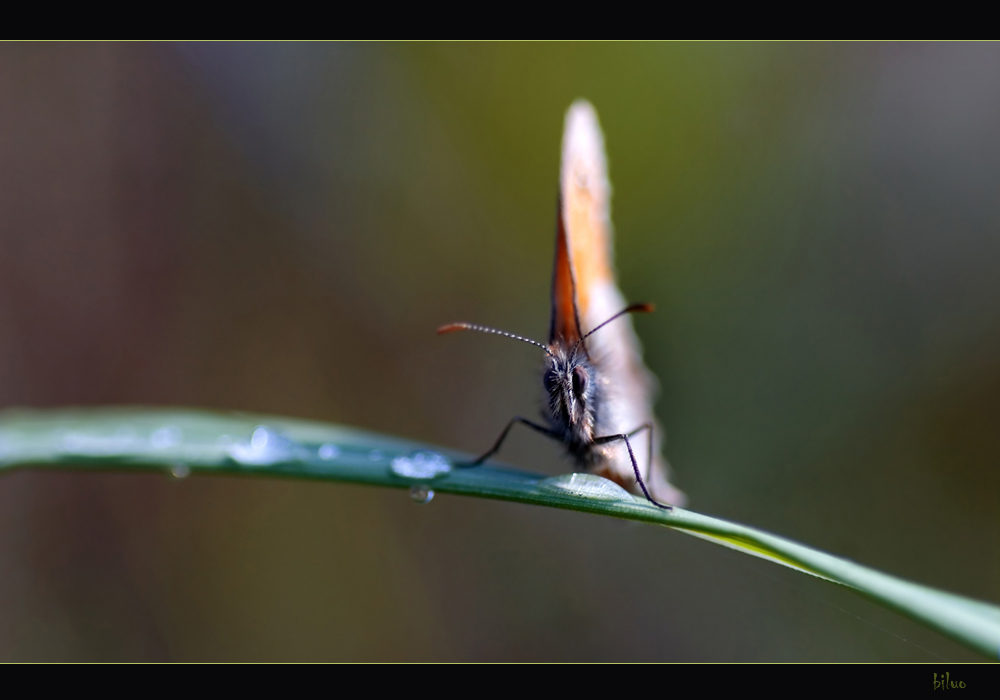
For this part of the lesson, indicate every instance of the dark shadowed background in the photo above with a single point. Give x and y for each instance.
(279, 228)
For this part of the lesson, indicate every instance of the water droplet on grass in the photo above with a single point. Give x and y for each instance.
(88, 444)
(421, 465)
(266, 446)
(166, 437)
(180, 471)
(586, 485)
(329, 451)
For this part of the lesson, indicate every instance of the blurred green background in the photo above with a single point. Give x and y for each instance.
(279, 228)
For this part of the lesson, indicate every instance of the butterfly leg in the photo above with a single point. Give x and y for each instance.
(649, 455)
(635, 465)
(503, 436)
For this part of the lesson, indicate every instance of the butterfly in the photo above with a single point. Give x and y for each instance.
(598, 392)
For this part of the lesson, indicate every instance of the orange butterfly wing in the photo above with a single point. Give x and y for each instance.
(565, 326)
(585, 294)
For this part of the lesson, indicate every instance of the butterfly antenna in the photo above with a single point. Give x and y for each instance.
(632, 309)
(452, 327)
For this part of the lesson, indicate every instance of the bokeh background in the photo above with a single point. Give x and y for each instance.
(279, 228)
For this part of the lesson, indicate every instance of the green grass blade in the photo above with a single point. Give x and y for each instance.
(190, 441)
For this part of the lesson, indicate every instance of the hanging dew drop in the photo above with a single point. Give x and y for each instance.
(180, 471)
(419, 493)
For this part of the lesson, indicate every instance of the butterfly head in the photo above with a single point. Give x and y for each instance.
(571, 387)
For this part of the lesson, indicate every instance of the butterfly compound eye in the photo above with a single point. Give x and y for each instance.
(580, 380)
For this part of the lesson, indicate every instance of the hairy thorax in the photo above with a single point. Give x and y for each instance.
(572, 385)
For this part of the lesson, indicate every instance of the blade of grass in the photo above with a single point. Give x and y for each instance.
(190, 441)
